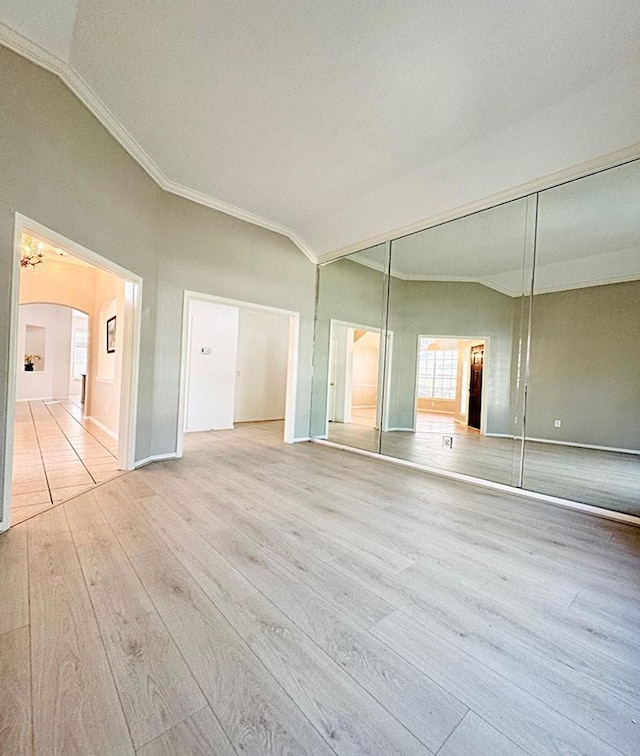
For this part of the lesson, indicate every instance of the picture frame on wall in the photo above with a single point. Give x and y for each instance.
(111, 335)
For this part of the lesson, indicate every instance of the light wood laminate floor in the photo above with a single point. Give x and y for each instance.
(591, 476)
(259, 598)
(57, 453)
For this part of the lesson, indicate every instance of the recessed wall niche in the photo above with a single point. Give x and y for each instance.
(34, 348)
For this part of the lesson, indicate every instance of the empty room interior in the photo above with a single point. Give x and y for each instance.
(320, 380)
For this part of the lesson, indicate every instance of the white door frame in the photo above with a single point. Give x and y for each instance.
(130, 348)
(383, 385)
(292, 359)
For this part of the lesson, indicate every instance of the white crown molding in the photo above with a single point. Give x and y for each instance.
(562, 176)
(72, 79)
(570, 286)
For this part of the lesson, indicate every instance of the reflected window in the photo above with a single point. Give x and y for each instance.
(437, 370)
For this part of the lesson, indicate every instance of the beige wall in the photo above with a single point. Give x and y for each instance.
(63, 169)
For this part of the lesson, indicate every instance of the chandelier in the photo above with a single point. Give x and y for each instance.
(32, 252)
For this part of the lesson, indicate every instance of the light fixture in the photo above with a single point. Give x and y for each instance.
(32, 252)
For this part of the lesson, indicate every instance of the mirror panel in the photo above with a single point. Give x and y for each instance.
(456, 315)
(349, 349)
(583, 406)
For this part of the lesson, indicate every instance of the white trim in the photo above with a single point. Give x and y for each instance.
(563, 176)
(608, 514)
(81, 89)
(102, 427)
(301, 439)
(409, 430)
(130, 348)
(292, 359)
(155, 458)
(596, 447)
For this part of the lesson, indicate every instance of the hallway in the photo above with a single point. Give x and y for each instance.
(57, 454)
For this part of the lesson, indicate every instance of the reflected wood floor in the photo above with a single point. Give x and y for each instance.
(57, 454)
(258, 598)
(602, 478)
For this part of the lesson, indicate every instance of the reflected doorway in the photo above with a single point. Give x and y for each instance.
(354, 362)
(449, 385)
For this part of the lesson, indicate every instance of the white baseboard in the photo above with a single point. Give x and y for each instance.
(208, 430)
(154, 458)
(566, 443)
(102, 427)
(404, 430)
(301, 440)
(608, 514)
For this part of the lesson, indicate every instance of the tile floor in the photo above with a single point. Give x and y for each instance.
(58, 454)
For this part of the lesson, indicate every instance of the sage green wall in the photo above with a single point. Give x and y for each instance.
(63, 169)
(585, 366)
(450, 308)
(354, 293)
(350, 292)
(210, 252)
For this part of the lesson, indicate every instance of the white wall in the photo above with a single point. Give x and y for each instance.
(104, 387)
(212, 374)
(261, 370)
(53, 381)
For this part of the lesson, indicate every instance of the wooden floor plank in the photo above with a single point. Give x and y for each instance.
(51, 549)
(256, 714)
(198, 735)
(257, 597)
(535, 727)
(76, 707)
(430, 712)
(15, 693)
(474, 736)
(14, 580)
(351, 720)
(156, 688)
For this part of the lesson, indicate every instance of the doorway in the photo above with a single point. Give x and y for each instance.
(449, 384)
(239, 364)
(75, 320)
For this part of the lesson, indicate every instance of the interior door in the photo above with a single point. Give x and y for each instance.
(475, 386)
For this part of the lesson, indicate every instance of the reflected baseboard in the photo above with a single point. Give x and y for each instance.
(566, 443)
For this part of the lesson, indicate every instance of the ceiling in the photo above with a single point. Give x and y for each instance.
(336, 122)
(587, 233)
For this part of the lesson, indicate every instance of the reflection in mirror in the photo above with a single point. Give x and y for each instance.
(350, 344)
(457, 312)
(583, 406)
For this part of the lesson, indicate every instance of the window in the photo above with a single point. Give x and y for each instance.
(437, 370)
(80, 343)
